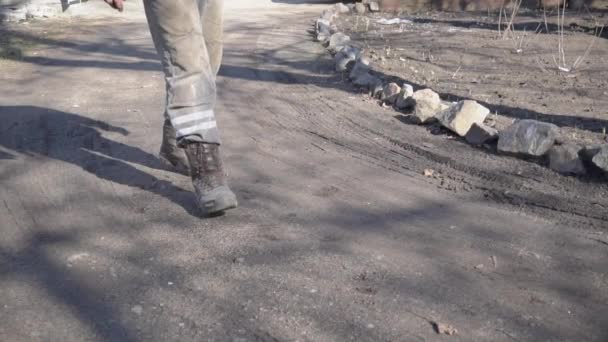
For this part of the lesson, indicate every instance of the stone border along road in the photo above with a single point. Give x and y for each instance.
(524, 138)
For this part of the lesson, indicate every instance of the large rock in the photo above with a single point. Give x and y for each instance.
(346, 58)
(360, 68)
(480, 134)
(374, 7)
(528, 137)
(337, 41)
(360, 8)
(391, 92)
(565, 159)
(460, 117)
(427, 104)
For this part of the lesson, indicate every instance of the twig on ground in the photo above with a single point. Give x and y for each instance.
(457, 70)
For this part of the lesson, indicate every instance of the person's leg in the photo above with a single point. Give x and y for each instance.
(177, 31)
(212, 15)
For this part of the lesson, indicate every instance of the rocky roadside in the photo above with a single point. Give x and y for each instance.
(530, 139)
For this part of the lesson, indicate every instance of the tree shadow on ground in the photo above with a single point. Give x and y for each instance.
(78, 140)
(33, 265)
(120, 52)
(334, 244)
(258, 74)
(309, 68)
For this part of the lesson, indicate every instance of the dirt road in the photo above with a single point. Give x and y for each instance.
(339, 236)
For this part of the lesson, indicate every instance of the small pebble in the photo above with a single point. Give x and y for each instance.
(137, 309)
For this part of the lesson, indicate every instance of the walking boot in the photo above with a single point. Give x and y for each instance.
(209, 179)
(170, 153)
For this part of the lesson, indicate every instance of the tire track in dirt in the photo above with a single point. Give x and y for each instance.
(332, 116)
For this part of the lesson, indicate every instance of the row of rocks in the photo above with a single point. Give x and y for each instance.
(467, 118)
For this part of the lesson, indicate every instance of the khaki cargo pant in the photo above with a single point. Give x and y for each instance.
(188, 37)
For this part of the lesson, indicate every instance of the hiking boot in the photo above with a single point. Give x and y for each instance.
(209, 179)
(170, 153)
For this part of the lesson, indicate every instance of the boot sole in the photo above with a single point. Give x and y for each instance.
(217, 201)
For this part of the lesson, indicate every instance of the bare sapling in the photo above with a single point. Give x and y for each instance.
(560, 61)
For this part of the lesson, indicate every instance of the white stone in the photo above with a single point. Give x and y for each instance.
(460, 117)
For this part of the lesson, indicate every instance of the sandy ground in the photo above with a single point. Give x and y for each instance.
(339, 236)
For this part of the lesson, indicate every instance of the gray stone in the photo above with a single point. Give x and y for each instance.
(374, 7)
(565, 159)
(480, 134)
(337, 41)
(460, 117)
(427, 104)
(597, 155)
(341, 8)
(324, 30)
(322, 25)
(345, 58)
(360, 68)
(360, 8)
(390, 93)
(588, 152)
(528, 137)
(404, 100)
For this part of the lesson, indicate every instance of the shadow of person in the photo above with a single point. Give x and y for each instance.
(74, 139)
